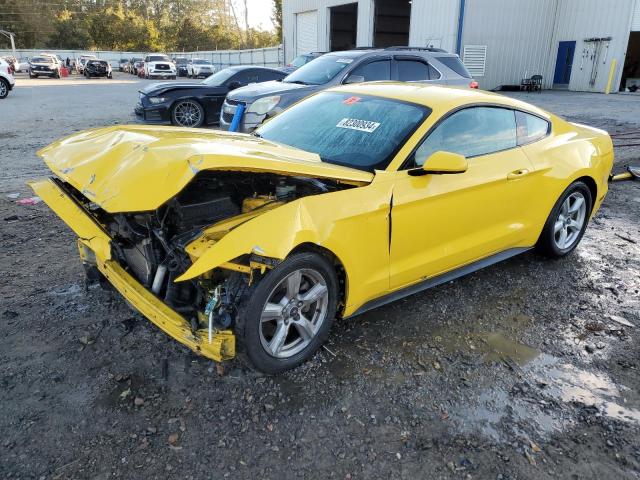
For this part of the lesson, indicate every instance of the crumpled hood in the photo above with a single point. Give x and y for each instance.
(137, 168)
(254, 91)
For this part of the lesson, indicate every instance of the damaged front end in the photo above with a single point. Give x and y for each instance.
(143, 253)
(174, 218)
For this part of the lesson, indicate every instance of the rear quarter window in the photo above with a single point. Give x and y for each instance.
(530, 128)
(456, 65)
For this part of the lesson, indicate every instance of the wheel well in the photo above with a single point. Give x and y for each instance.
(337, 264)
(593, 188)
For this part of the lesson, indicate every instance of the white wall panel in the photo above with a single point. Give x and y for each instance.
(635, 22)
(434, 23)
(582, 19)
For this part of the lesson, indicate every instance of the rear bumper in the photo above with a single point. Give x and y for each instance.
(95, 249)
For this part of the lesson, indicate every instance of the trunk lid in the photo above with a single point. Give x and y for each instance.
(138, 168)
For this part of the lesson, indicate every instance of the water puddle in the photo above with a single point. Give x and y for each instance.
(541, 400)
(500, 347)
(570, 384)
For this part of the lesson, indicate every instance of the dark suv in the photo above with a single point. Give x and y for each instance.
(409, 64)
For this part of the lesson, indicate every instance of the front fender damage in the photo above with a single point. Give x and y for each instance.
(272, 235)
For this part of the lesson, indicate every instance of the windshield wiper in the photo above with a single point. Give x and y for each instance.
(300, 82)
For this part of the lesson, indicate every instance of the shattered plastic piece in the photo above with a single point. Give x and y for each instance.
(29, 201)
(621, 320)
(13, 196)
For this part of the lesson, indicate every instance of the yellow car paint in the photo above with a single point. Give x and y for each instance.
(439, 222)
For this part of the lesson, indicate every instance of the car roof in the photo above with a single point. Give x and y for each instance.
(436, 97)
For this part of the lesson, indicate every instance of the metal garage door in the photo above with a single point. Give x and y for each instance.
(306, 32)
(635, 22)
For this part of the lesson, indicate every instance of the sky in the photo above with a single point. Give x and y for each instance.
(259, 13)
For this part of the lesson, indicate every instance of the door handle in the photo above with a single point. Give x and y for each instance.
(517, 174)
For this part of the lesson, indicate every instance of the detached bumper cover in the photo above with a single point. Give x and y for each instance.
(92, 238)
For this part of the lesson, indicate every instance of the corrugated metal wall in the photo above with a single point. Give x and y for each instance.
(517, 35)
(521, 35)
(582, 19)
(434, 23)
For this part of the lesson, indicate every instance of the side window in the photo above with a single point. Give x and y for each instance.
(530, 128)
(471, 132)
(433, 73)
(412, 70)
(379, 70)
(246, 77)
(266, 75)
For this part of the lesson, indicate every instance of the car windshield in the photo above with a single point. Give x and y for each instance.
(41, 60)
(181, 61)
(201, 62)
(320, 70)
(159, 58)
(220, 77)
(362, 132)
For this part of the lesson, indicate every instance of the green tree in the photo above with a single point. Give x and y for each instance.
(70, 31)
(277, 18)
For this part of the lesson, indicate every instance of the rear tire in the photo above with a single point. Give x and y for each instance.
(567, 221)
(4, 88)
(278, 335)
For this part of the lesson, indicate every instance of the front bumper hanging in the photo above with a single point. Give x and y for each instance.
(94, 246)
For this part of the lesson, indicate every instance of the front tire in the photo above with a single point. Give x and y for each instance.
(567, 221)
(288, 315)
(187, 113)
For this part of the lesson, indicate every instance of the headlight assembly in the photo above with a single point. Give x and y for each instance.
(264, 105)
(156, 100)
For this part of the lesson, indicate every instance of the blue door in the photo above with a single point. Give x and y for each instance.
(564, 62)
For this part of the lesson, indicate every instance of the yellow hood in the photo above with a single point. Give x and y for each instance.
(138, 168)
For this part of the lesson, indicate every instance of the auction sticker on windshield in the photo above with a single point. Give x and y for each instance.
(360, 125)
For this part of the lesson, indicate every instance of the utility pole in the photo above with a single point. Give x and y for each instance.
(11, 37)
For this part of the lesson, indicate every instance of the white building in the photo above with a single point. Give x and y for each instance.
(574, 44)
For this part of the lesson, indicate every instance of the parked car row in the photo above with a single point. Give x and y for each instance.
(250, 95)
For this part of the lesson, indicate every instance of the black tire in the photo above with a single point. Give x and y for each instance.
(547, 243)
(248, 320)
(4, 88)
(175, 115)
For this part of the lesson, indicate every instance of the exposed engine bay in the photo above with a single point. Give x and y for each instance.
(151, 245)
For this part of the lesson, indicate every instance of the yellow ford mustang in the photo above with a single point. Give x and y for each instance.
(352, 198)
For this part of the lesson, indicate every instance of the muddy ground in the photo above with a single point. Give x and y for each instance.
(527, 369)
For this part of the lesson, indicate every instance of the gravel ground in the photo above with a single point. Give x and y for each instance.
(527, 369)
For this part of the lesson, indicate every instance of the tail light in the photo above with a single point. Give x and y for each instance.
(474, 84)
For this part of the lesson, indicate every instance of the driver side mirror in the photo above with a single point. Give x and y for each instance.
(354, 79)
(440, 163)
(234, 85)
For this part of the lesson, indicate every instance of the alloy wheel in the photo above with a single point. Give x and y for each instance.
(188, 114)
(3, 89)
(571, 219)
(294, 312)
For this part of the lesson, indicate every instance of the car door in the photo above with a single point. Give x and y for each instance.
(440, 222)
(410, 68)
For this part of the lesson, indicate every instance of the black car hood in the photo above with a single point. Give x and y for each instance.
(156, 88)
(254, 91)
